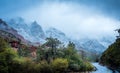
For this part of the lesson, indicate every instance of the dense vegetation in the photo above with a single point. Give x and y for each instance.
(6, 56)
(52, 57)
(111, 57)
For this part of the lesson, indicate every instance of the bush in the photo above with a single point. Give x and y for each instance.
(59, 64)
(16, 66)
(88, 66)
(44, 67)
(80, 66)
(3, 45)
(74, 67)
(23, 65)
(6, 56)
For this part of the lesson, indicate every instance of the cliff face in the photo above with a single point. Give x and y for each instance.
(111, 57)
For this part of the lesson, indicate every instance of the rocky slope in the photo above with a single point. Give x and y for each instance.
(10, 33)
(32, 32)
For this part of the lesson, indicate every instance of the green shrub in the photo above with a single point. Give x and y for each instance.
(59, 64)
(23, 65)
(3, 45)
(44, 67)
(88, 66)
(74, 67)
(6, 56)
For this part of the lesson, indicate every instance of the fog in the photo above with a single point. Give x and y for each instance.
(76, 20)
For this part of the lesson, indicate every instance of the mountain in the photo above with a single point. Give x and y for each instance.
(19, 25)
(5, 27)
(93, 45)
(53, 32)
(97, 45)
(34, 33)
(10, 33)
(87, 44)
(106, 41)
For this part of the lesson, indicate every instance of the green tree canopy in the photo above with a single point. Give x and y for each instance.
(52, 42)
(6, 56)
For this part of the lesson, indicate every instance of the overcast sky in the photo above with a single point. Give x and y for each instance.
(76, 18)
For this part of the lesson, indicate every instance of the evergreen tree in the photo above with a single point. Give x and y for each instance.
(52, 42)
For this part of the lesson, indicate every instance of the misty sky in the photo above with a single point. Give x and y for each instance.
(76, 18)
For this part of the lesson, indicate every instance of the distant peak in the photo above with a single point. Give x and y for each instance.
(3, 22)
(17, 20)
(34, 22)
(52, 29)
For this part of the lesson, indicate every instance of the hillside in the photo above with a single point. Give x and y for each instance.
(111, 57)
(10, 33)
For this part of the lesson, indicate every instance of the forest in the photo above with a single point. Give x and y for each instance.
(50, 57)
(111, 57)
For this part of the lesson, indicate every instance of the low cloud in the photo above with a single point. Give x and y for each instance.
(76, 20)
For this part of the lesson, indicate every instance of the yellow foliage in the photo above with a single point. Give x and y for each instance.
(60, 64)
